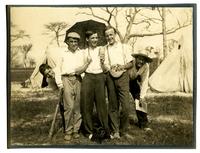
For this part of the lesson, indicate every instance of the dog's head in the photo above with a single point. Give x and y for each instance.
(100, 134)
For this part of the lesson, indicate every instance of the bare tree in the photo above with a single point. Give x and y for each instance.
(14, 55)
(56, 28)
(32, 62)
(135, 17)
(166, 30)
(25, 49)
(18, 45)
(17, 33)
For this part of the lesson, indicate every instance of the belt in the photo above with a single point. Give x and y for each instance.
(69, 75)
(94, 73)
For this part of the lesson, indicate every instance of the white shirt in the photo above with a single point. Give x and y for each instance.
(71, 61)
(119, 54)
(95, 66)
(68, 63)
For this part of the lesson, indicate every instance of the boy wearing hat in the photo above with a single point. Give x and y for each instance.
(139, 75)
(68, 70)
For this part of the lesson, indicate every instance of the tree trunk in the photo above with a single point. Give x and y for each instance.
(57, 39)
(130, 24)
(165, 52)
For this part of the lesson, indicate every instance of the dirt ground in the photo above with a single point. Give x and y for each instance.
(30, 113)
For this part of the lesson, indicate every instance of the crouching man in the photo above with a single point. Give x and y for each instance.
(49, 80)
(139, 75)
(49, 76)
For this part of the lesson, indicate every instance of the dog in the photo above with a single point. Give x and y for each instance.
(100, 134)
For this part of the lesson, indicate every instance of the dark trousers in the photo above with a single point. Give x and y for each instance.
(93, 92)
(118, 95)
(135, 92)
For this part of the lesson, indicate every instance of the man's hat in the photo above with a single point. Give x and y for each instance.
(73, 35)
(144, 54)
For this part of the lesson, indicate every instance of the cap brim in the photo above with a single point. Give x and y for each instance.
(66, 38)
(148, 59)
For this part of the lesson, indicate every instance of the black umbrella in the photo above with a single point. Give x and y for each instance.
(82, 27)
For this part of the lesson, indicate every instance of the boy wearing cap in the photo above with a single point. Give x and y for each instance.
(68, 70)
(139, 75)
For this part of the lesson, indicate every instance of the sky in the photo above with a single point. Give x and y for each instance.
(33, 19)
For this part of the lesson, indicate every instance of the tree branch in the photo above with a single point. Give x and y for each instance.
(170, 31)
(130, 23)
(142, 21)
(175, 17)
(104, 9)
(159, 12)
(110, 16)
(96, 16)
(115, 19)
(16, 37)
(151, 19)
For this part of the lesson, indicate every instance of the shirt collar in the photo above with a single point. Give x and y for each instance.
(92, 49)
(71, 52)
(115, 44)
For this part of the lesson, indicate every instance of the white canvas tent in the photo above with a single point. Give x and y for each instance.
(175, 73)
(51, 57)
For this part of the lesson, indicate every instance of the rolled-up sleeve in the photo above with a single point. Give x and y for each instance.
(144, 81)
(128, 52)
(57, 71)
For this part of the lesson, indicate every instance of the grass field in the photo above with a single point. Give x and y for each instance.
(31, 112)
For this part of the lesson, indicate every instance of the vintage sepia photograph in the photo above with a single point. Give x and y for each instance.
(101, 76)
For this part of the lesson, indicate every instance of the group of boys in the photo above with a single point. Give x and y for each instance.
(84, 75)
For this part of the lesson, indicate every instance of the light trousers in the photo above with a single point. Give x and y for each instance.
(71, 98)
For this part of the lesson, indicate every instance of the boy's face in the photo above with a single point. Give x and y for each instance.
(72, 44)
(93, 40)
(140, 61)
(110, 36)
(49, 73)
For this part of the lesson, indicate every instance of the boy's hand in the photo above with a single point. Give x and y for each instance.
(89, 59)
(102, 58)
(138, 102)
(120, 67)
(141, 101)
(61, 89)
